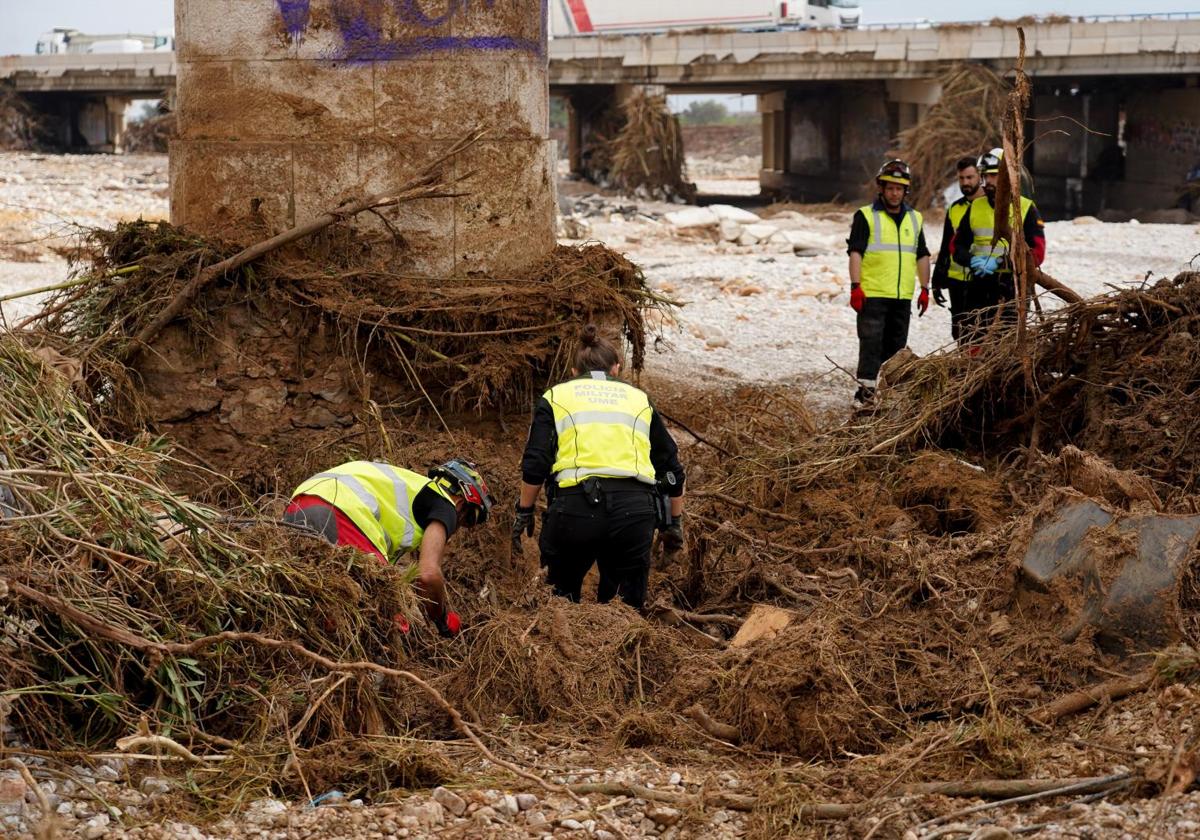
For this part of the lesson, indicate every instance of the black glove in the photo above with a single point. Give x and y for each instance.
(522, 524)
(672, 535)
(939, 297)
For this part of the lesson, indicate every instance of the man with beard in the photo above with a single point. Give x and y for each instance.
(948, 275)
(992, 284)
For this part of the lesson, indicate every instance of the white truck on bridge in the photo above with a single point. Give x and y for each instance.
(601, 17)
(63, 40)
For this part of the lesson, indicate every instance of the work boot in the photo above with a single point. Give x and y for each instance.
(864, 397)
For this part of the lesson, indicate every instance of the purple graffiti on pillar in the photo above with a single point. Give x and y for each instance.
(295, 14)
(360, 25)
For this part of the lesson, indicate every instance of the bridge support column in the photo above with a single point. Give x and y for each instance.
(287, 109)
(824, 141)
(773, 107)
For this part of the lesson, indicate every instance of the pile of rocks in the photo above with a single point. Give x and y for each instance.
(726, 223)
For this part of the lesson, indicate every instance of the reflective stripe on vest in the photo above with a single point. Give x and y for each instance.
(956, 212)
(983, 220)
(603, 430)
(889, 264)
(379, 501)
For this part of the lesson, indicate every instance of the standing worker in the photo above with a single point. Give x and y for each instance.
(992, 284)
(612, 474)
(387, 511)
(887, 254)
(948, 275)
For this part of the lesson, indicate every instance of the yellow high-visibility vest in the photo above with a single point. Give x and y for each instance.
(956, 212)
(983, 220)
(378, 498)
(603, 430)
(889, 264)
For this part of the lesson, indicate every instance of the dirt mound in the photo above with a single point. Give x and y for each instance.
(289, 353)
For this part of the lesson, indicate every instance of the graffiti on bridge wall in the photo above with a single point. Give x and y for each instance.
(366, 35)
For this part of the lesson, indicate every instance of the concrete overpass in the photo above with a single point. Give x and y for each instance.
(831, 99)
(86, 94)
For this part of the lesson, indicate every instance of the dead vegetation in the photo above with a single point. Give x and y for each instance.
(965, 122)
(899, 660)
(646, 155)
(21, 127)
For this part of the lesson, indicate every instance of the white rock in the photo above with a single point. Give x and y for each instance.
(430, 813)
(508, 805)
(692, 217)
(152, 785)
(572, 825)
(450, 800)
(485, 815)
(1086, 220)
(727, 212)
(536, 818)
(601, 834)
(730, 230)
(715, 337)
(663, 815)
(802, 240)
(525, 801)
(761, 232)
(96, 827)
(675, 780)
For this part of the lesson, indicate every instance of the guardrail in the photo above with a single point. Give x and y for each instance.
(1034, 21)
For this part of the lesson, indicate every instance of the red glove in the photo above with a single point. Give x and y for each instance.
(856, 298)
(923, 302)
(450, 626)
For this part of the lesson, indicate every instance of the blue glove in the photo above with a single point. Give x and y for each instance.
(984, 265)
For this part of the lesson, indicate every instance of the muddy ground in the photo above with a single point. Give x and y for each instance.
(910, 660)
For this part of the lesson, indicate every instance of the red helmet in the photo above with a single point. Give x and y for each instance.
(464, 480)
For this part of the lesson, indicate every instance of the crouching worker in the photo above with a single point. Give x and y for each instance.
(612, 475)
(388, 511)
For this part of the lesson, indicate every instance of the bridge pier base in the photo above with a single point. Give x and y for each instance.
(84, 122)
(823, 142)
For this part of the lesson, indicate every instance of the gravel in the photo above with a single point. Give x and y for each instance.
(763, 314)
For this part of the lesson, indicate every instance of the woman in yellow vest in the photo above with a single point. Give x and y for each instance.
(887, 253)
(388, 511)
(604, 455)
(948, 275)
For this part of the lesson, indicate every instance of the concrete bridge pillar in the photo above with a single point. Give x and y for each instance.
(288, 107)
(825, 141)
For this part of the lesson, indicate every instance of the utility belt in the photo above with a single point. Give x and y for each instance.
(596, 488)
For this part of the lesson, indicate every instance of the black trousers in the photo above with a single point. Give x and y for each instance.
(616, 531)
(882, 333)
(985, 296)
(959, 310)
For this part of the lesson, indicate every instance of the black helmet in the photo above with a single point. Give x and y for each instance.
(464, 480)
(895, 171)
